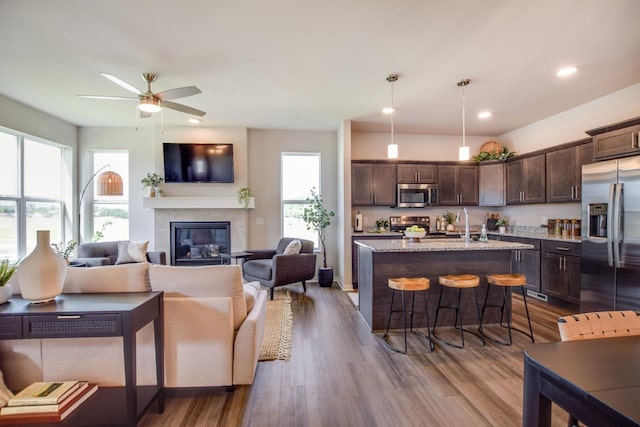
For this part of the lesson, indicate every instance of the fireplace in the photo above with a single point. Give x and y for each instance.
(199, 243)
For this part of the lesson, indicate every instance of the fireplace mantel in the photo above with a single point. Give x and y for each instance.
(194, 203)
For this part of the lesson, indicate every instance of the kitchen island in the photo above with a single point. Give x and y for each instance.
(380, 260)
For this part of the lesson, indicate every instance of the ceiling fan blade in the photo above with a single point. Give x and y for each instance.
(121, 83)
(180, 92)
(183, 108)
(117, 98)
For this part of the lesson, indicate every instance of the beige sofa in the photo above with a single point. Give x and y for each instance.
(213, 330)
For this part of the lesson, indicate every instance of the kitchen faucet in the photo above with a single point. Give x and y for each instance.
(467, 236)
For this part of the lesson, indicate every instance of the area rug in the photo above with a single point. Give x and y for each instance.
(279, 323)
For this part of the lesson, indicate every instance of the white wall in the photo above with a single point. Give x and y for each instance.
(265, 148)
(145, 155)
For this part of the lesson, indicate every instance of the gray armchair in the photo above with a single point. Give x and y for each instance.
(95, 254)
(272, 268)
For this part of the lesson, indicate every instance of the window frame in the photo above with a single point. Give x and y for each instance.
(302, 202)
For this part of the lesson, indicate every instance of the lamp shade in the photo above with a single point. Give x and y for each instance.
(109, 184)
(463, 153)
(392, 151)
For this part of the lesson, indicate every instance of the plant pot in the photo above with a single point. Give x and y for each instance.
(450, 227)
(502, 229)
(5, 293)
(325, 276)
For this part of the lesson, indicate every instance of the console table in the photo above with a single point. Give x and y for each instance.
(97, 315)
(597, 381)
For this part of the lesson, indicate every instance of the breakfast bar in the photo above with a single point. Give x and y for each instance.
(380, 260)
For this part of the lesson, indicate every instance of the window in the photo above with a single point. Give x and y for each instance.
(110, 213)
(300, 173)
(34, 174)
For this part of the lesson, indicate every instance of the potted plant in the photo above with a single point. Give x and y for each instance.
(449, 218)
(6, 271)
(382, 224)
(151, 181)
(64, 251)
(318, 218)
(244, 196)
(502, 225)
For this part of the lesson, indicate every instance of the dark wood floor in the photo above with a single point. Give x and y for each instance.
(341, 375)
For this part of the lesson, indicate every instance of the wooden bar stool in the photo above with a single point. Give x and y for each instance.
(413, 285)
(507, 281)
(460, 282)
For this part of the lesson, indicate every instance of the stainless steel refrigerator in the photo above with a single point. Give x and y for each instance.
(611, 235)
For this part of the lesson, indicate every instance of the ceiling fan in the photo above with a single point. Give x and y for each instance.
(149, 102)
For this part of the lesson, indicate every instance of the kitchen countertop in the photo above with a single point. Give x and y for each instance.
(438, 245)
(512, 233)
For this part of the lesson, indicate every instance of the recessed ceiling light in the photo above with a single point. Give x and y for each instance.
(484, 114)
(194, 121)
(388, 110)
(566, 71)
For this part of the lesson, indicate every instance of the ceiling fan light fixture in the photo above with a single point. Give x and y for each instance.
(194, 121)
(149, 105)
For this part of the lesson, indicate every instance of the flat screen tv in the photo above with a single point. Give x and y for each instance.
(197, 162)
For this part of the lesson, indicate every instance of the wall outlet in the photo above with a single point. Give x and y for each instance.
(365, 220)
(543, 221)
(260, 220)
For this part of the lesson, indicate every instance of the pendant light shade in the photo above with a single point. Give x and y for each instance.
(463, 152)
(392, 148)
(109, 184)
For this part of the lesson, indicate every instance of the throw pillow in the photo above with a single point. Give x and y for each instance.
(293, 248)
(129, 252)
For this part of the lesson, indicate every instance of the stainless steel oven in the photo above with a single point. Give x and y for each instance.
(416, 195)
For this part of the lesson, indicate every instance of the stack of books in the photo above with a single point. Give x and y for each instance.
(46, 402)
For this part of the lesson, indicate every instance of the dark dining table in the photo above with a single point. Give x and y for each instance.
(596, 380)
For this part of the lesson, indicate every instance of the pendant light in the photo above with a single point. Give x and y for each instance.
(463, 152)
(392, 148)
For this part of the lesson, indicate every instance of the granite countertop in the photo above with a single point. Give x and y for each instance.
(438, 245)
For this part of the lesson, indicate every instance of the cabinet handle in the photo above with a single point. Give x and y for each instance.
(418, 176)
(577, 191)
(68, 317)
(634, 140)
(460, 195)
(572, 192)
(560, 264)
(561, 248)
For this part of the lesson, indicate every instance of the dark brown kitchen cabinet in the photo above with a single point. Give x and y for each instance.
(373, 184)
(561, 270)
(458, 185)
(416, 173)
(564, 170)
(615, 143)
(491, 187)
(525, 261)
(354, 251)
(526, 180)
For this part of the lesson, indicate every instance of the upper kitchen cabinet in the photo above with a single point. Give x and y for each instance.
(564, 170)
(526, 180)
(373, 184)
(458, 185)
(616, 140)
(491, 187)
(416, 173)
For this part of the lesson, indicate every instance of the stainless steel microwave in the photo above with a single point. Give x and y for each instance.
(417, 195)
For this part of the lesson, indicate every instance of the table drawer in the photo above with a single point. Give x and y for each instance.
(10, 328)
(63, 326)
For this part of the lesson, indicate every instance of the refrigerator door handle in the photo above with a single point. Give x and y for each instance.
(610, 211)
(617, 226)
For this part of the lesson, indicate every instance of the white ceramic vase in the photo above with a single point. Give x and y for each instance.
(5, 293)
(41, 274)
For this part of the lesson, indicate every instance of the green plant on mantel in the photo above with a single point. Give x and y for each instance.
(6, 271)
(151, 180)
(244, 196)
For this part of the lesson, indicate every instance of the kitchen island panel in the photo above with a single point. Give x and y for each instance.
(376, 267)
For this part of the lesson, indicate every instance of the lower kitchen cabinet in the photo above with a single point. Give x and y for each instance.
(526, 261)
(561, 270)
